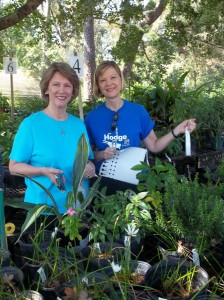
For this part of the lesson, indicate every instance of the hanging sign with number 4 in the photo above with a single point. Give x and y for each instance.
(76, 62)
(10, 65)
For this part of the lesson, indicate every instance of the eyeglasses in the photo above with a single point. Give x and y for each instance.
(114, 124)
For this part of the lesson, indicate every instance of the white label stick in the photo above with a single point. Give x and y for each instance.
(187, 143)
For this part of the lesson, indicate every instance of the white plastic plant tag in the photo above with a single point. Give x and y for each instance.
(54, 233)
(42, 274)
(127, 240)
(162, 298)
(116, 268)
(187, 143)
(85, 280)
(96, 246)
(196, 259)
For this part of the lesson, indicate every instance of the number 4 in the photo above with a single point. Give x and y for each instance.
(76, 66)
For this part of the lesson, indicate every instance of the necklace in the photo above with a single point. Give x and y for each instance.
(50, 114)
(62, 131)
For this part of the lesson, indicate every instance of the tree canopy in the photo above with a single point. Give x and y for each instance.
(148, 38)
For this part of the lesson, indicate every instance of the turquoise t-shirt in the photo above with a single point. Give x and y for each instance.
(46, 142)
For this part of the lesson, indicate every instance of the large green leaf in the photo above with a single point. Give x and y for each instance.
(17, 203)
(31, 216)
(91, 194)
(79, 165)
(55, 207)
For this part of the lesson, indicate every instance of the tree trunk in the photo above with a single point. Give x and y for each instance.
(19, 14)
(89, 58)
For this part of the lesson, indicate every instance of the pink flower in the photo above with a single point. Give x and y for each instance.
(71, 211)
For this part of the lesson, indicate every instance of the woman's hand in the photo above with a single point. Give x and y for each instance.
(189, 124)
(109, 152)
(90, 170)
(52, 173)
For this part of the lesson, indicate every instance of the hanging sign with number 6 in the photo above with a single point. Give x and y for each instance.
(76, 62)
(10, 65)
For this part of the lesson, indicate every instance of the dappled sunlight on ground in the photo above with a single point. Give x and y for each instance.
(22, 84)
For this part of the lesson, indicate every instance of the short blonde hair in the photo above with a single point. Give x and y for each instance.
(100, 70)
(65, 70)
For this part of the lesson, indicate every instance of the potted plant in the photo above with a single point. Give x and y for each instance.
(111, 214)
(98, 256)
(176, 279)
(196, 211)
(11, 281)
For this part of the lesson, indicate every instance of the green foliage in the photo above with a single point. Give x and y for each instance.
(126, 47)
(72, 223)
(79, 165)
(111, 214)
(194, 210)
(220, 170)
(189, 19)
(175, 148)
(185, 208)
(8, 128)
(108, 219)
(153, 178)
(4, 103)
(27, 105)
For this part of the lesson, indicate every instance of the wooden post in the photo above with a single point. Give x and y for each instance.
(12, 96)
(3, 241)
(81, 114)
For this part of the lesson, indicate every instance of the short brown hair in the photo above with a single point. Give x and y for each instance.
(99, 71)
(65, 70)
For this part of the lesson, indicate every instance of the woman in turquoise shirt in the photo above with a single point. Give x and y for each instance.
(46, 142)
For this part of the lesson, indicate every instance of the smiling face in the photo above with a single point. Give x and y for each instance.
(60, 90)
(110, 83)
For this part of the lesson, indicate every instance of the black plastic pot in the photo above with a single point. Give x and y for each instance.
(96, 282)
(56, 274)
(27, 248)
(4, 257)
(115, 253)
(12, 278)
(65, 241)
(75, 244)
(159, 272)
(131, 294)
(204, 297)
(137, 247)
(137, 268)
(29, 295)
(30, 271)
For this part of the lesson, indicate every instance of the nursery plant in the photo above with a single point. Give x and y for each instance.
(184, 208)
(176, 279)
(194, 210)
(111, 214)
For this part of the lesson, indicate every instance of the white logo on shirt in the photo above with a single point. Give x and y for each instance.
(113, 140)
